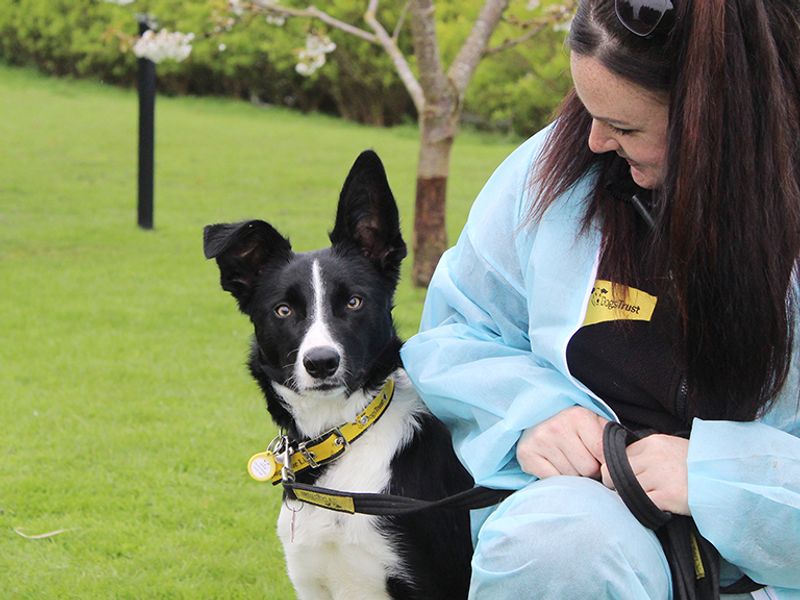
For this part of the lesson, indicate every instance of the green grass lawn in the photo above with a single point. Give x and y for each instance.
(127, 416)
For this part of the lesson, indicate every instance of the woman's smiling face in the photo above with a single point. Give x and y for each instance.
(626, 119)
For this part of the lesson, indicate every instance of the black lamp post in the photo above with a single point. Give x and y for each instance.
(147, 105)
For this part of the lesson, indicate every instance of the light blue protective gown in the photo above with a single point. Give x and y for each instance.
(490, 361)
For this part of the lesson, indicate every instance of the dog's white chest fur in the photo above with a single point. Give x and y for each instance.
(337, 555)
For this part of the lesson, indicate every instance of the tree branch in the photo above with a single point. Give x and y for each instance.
(389, 44)
(378, 36)
(400, 22)
(426, 49)
(558, 13)
(472, 50)
(312, 12)
(507, 44)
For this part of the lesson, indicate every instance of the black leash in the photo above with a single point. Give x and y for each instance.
(315, 453)
(693, 560)
(389, 504)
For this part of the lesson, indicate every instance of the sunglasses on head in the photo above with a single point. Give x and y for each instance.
(643, 17)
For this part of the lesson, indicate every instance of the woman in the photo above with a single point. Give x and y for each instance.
(636, 261)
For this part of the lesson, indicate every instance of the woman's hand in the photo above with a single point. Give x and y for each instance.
(659, 463)
(571, 443)
(568, 443)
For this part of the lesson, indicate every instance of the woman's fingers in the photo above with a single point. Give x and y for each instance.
(659, 464)
(590, 430)
(540, 467)
(605, 477)
(569, 443)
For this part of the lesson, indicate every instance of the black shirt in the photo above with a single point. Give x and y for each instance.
(629, 357)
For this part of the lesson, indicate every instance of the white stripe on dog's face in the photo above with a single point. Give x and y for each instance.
(318, 334)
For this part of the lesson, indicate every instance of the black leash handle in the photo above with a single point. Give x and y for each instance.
(693, 560)
(616, 439)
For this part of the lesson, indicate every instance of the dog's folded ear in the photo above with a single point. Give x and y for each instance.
(367, 215)
(242, 251)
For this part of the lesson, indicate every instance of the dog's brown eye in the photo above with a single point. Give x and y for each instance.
(283, 311)
(355, 302)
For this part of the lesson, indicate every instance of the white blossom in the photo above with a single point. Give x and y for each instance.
(237, 7)
(533, 4)
(164, 45)
(312, 57)
(120, 2)
(222, 47)
(319, 44)
(278, 20)
(308, 65)
(563, 26)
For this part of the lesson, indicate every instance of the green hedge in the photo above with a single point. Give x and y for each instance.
(513, 91)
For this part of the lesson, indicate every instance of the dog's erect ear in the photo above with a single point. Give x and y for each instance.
(367, 215)
(242, 250)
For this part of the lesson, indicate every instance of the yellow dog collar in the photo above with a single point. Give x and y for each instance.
(268, 465)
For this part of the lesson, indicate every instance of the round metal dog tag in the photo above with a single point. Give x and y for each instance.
(262, 466)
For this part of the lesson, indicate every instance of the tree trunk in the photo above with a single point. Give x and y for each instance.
(438, 98)
(437, 131)
(430, 236)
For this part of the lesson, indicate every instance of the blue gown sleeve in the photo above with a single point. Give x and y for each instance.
(472, 360)
(744, 489)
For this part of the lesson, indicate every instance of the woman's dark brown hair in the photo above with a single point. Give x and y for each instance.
(728, 212)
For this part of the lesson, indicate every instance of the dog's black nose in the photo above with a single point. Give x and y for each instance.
(321, 362)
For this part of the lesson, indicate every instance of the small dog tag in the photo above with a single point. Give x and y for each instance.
(262, 466)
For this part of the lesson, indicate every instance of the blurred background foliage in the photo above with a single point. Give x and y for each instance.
(514, 91)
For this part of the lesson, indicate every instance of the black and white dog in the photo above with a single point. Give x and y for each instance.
(324, 346)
